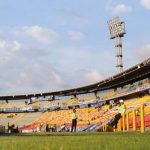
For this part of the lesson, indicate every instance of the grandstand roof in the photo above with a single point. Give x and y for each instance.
(135, 73)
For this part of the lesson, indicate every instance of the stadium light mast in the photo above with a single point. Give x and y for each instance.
(117, 31)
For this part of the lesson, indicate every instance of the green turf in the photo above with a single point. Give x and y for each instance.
(76, 141)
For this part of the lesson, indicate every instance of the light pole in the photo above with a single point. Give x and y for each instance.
(117, 31)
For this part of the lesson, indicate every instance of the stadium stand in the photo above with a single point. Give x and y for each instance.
(96, 104)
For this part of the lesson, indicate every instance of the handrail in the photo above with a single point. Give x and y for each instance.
(123, 123)
(125, 119)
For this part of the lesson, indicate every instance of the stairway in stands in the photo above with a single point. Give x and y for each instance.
(28, 118)
(20, 119)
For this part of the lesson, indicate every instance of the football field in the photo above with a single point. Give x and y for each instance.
(76, 141)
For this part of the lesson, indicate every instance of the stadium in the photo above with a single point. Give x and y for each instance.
(112, 113)
(96, 104)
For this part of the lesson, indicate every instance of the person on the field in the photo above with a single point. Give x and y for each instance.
(121, 111)
(47, 128)
(74, 121)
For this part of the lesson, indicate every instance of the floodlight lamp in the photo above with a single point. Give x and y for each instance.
(116, 28)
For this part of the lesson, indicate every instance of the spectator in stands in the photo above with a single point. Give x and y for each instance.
(89, 122)
(17, 129)
(121, 111)
(8, 127)
(47, 128)
(40, 127)
(74, 121)
(110, 106)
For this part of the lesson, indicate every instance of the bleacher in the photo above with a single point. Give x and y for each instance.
(92, 108)
(86, 116)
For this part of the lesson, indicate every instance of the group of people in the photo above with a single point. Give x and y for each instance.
(12, 128)
(120, 111)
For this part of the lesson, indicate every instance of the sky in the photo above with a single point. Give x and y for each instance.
(59, 44)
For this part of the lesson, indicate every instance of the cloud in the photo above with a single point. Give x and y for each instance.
(25, 72)
(2, 44)
(57, 78)
(9, 47)
(76, 36)
(142, 53)
(31, 70)
(37, 75)
(118, 8)
(16, 46)
(7, 50)
(82, 77)
(40, 34)
(145, 3)
(26, 68)
(93, 76)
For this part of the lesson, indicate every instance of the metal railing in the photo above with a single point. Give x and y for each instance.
(123, 124)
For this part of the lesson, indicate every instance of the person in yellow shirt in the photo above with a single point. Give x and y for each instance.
(121, 110)
(74, 121)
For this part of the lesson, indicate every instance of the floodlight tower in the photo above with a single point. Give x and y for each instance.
(117, 31)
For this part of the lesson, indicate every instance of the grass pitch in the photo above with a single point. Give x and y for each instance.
(76, 141)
